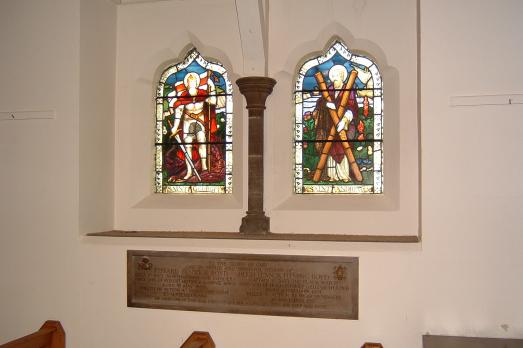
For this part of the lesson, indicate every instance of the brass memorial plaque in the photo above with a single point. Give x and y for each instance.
(303, 286)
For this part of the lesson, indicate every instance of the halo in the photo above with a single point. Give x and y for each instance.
(195, 76)
(337, 69)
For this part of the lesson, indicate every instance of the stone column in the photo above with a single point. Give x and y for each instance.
(256, 90)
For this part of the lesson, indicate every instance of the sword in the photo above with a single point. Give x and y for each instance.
(186, 154)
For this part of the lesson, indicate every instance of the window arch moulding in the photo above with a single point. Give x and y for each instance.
(193, 133)
(338, 129)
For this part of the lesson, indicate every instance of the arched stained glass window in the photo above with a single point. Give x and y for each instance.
(338, 138)
(194, 128)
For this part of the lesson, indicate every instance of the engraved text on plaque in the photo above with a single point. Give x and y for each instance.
(305, 286)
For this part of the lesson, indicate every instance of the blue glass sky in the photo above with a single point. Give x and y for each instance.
(197, 68)
(309, 82)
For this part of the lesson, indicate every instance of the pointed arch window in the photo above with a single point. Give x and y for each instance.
(194, 128)
(338, 137)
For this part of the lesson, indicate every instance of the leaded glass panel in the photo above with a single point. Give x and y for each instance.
(194, 128)
(338, 133)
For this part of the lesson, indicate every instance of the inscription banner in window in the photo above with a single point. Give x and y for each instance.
(304, 286)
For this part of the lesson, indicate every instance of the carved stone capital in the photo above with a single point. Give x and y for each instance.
(256, 89)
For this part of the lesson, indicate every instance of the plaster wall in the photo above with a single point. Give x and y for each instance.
(298, 31)
(97, 105)
(463, 279)
(152, 36)
(39, 70)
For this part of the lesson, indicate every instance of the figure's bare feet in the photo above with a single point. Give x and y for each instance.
(175, 179)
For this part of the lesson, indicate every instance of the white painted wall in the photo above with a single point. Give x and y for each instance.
(295, 31)
(299, 31)
(462, 279)
(39, 67)
(151, 36)
(97, 105)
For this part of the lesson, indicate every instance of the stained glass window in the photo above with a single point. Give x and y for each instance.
(194, 128)
(338, 133)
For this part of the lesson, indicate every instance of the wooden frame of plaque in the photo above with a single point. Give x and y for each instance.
(282, 285)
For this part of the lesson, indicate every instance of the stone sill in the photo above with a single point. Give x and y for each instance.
(253, 236)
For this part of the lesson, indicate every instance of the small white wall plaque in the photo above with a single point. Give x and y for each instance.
(491, 99)
(26, 115)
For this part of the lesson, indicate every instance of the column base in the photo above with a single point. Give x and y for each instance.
(255, 223)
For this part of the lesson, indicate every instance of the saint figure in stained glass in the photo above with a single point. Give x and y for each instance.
(338, 128)
(194, 128)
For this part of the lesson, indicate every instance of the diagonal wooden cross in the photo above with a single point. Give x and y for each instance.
(335, 116)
